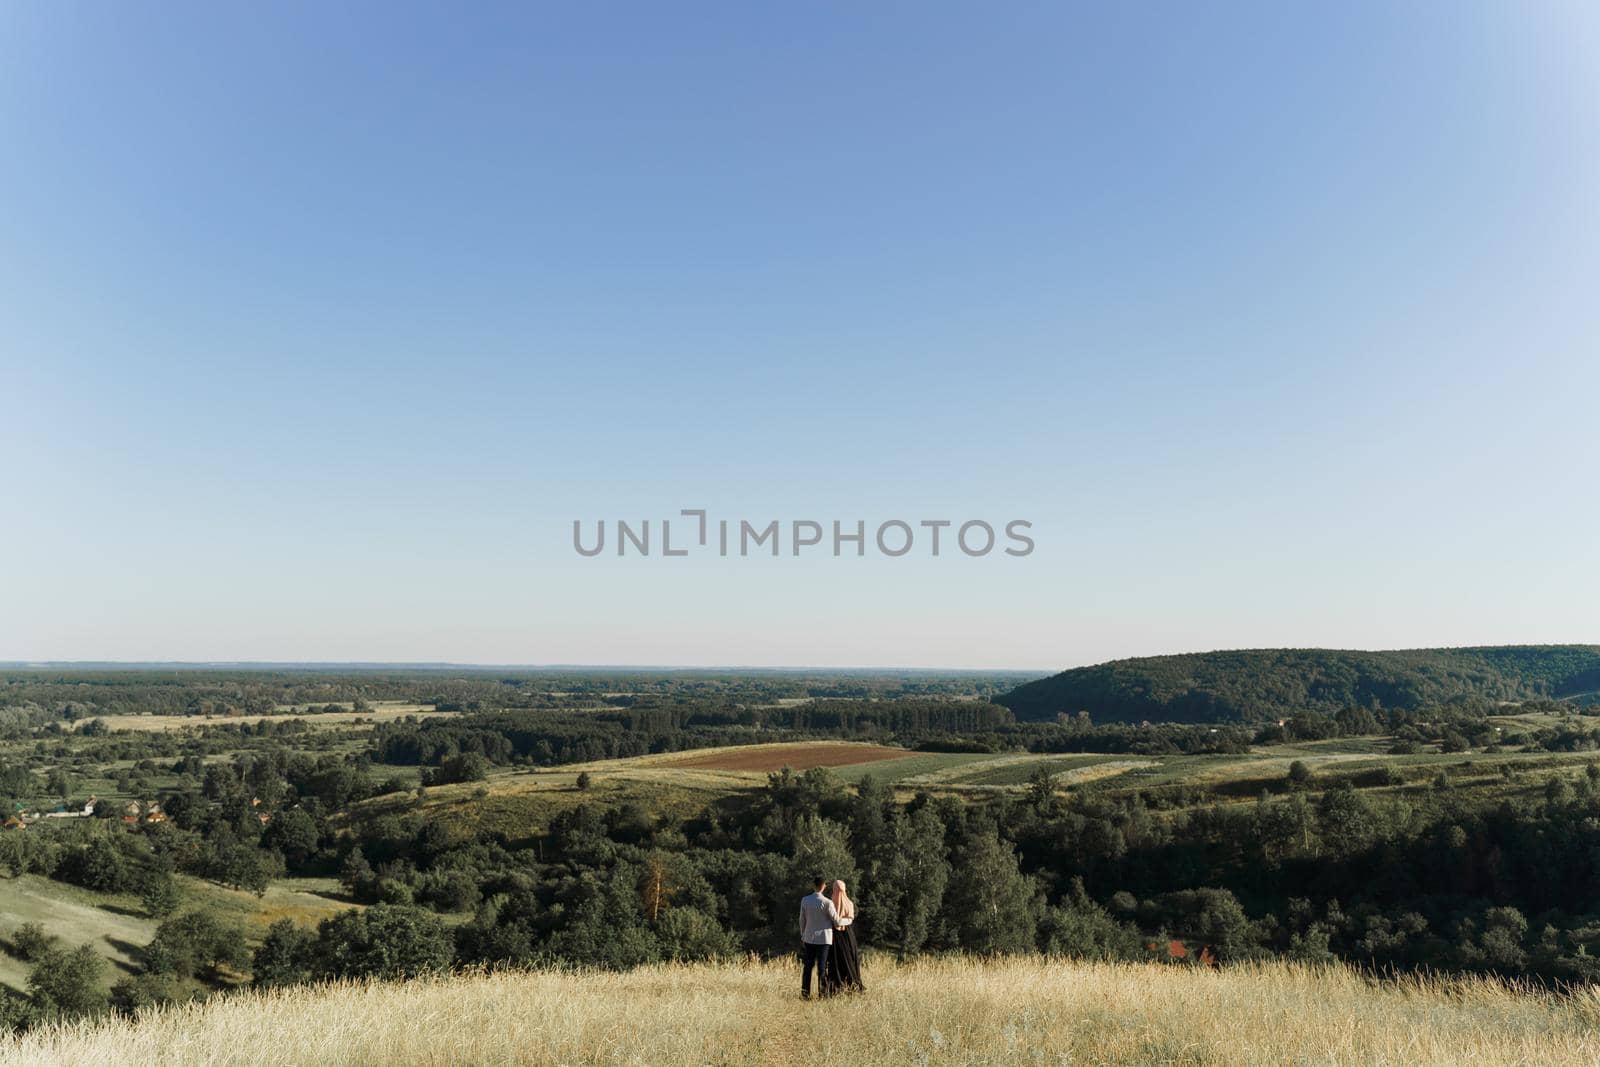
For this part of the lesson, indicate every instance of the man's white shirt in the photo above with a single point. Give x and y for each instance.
(818, 917)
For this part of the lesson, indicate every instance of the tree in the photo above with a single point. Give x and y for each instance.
(1348, 823)
(1285, 828)
(1299, 775)
(448, 890)
(284, 956)
(584, 781)
(658, 886)
(239, 864)
(356, 874)
(1215, 917)
(383, 941)
(1357, 722)
(293, 833)
(1042, 791)
(869, 826)
(993, 904)
(28, 853)
(607, 927)
(67, 984)
(463, 767)
(223, 787)
(911, 883)
(99, 865)
(1081, 929)
(1311, 946)
(160, 897)
(1503, 933)
(195, 944)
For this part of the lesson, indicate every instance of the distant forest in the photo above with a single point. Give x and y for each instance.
(73, 692)
(1258, 685)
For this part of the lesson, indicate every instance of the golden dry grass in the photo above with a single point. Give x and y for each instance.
(930, 1012)
(383, 711)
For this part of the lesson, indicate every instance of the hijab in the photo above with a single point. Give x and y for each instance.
(841, 900)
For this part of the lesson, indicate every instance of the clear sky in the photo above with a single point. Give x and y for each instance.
(321, 323)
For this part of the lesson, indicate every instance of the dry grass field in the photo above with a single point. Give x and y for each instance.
(382, 711)
(944, 1012)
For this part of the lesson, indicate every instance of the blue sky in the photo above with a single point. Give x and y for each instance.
(321, 323)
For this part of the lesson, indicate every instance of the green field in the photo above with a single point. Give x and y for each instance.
(1018, 769)
(915, 765)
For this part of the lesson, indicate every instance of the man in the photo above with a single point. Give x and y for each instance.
(818, 917)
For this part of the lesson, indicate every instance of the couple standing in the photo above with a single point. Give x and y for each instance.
(828, 940)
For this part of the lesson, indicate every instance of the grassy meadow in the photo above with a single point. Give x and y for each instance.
(117, 926)
(936, 1011)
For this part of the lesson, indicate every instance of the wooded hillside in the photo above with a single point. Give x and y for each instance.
(1256, 685)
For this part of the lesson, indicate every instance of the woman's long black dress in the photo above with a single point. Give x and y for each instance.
(844, 962)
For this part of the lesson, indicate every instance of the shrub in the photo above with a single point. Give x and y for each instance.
(149, 990)
(689, 934)
(31, 941)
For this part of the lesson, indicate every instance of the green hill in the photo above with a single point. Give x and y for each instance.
(1255, 685)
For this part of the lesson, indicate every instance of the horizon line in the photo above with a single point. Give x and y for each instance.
(436, 665)
(41, 664)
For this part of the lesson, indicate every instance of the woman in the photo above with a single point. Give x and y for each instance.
(844, 962)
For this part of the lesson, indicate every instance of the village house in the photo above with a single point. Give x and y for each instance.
(63, 813)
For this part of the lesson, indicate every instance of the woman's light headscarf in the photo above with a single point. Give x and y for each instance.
(841, 900)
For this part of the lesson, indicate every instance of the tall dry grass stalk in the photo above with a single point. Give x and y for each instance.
(930, 1012)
